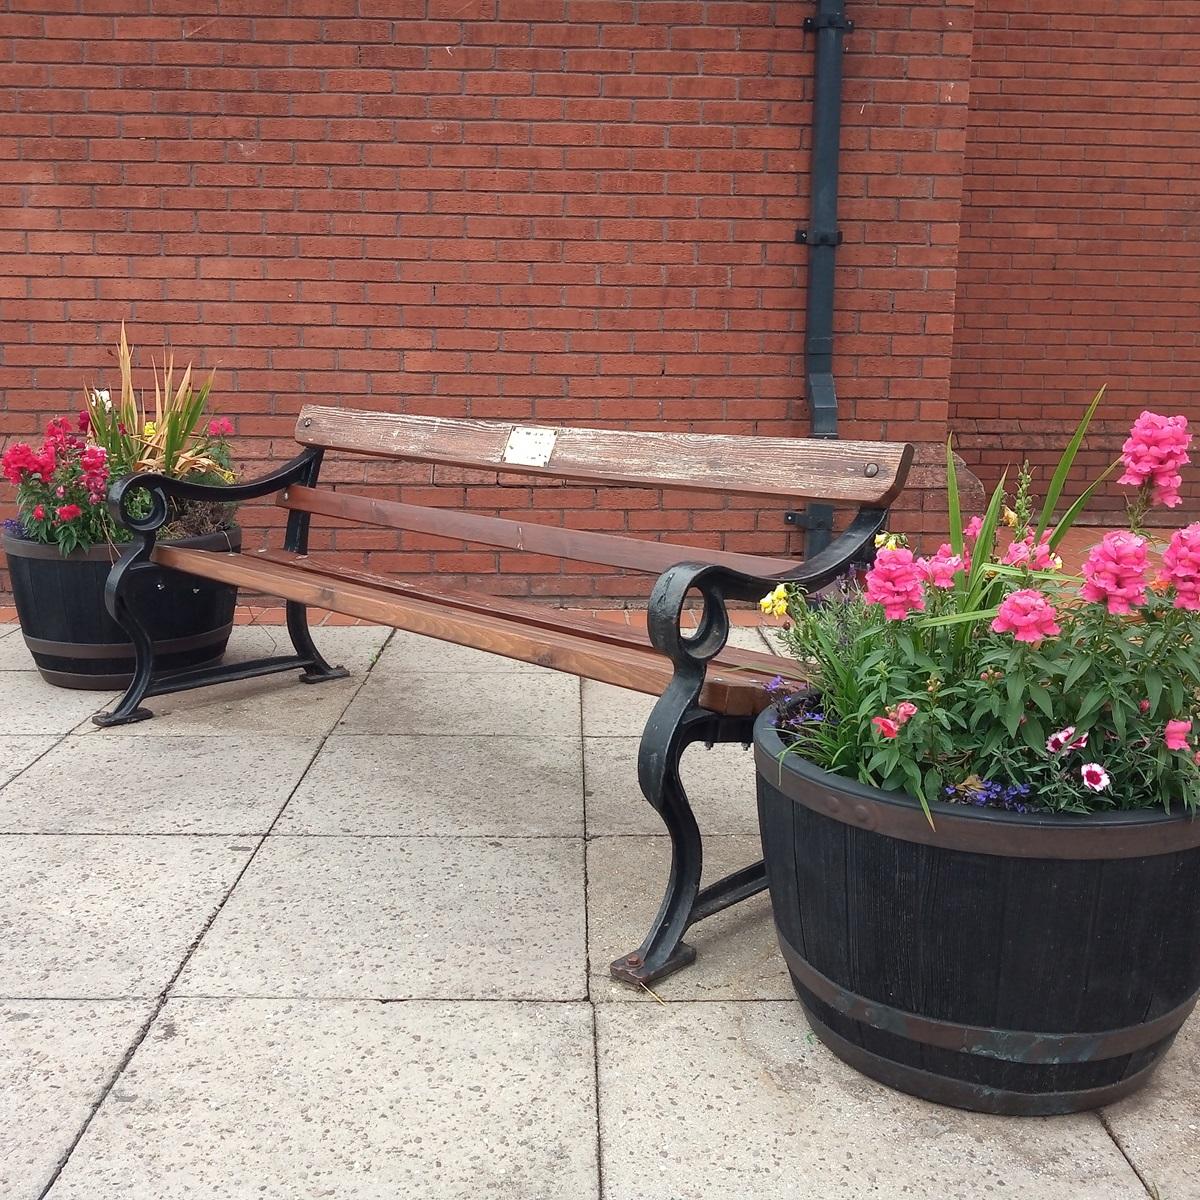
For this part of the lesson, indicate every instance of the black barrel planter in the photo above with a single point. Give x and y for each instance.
(1007, 963)
(76, 644)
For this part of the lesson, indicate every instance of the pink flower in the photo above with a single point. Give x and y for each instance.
(1066, 739)
(941, 568)
(971, 532)
(1027, 615)
(1144, 706)
(220, 427)
(84, 421)
(68, 512)
(1116, 572)
(1181, 560)
(1176, 735)
(1025, 554)
(1095, 777)
(903, 712)
(895, 582)
(888, 728)
(1156, 448)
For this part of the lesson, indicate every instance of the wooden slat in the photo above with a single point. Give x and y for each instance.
(800, 468)
(580, 545)
(756, 664)
(624, 666)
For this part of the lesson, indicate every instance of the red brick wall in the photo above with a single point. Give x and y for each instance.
(550, 210)
(1079, 262)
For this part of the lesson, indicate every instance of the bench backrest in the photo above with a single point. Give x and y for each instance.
(846, 472)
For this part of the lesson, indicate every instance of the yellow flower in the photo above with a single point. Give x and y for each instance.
(888, 541)
(149, 429)
(775, 603)
(1010, 517)
(228, 476)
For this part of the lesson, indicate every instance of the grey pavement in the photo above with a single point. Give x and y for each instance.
(352, 941)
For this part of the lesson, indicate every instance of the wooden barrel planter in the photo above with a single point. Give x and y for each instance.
(1007, 963)
(76, 644)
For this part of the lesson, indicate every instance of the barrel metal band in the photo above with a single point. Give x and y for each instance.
(125, 649)
(1006, 1044)
(978, 1097)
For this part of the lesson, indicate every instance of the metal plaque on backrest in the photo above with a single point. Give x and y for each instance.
(529, 446)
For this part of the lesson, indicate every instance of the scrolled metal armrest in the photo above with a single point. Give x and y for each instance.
(718, 585)
(161, 487)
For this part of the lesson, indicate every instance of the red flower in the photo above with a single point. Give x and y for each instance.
(220, 427)
(20, 460)
(68, 512)
(39, 513)
(888, 728)
(84, 421)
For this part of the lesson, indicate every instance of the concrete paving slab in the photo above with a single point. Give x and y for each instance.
(271, 704)
(700, 1101)
(234, 784)
(400, 918)
(612, 711)
(14, 655)
(33, 706)
(1159, 1127)
(409, 652)
(241, 1100)
(750, 638)
(16, 753)
(56, 1057)
(355, 647)
(106, 917)
(505, 702)
(719, 782)
(504, 786)
(738, 956)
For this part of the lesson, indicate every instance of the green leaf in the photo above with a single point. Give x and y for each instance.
(985, 614)
(1071, 515)
(1154, 687)
(1015, 707)
(1092, 703)
(1041, 698)
(1063, 470)
(1034, 735)
(953, 502)
(1076, 671)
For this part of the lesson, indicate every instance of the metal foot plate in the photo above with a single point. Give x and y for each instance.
(323, 676)
(631, 968)
(104, 720)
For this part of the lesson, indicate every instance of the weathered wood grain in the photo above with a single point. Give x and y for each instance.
(793, 468)
(754, 666)
(580, 545)
(732, 689)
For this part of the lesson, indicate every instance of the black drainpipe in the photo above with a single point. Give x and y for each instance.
(822, 238)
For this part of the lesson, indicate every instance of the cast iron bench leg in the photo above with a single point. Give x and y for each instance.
(668, 733)
(317, 670)
(128, 709)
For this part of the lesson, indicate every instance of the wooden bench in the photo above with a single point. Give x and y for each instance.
(707, 690)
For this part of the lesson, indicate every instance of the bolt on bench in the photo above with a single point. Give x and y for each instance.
(707, 691)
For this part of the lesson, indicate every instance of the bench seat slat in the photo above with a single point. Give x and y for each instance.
(580, 545)
(802, 468)
(757, 665)
(726, 689)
